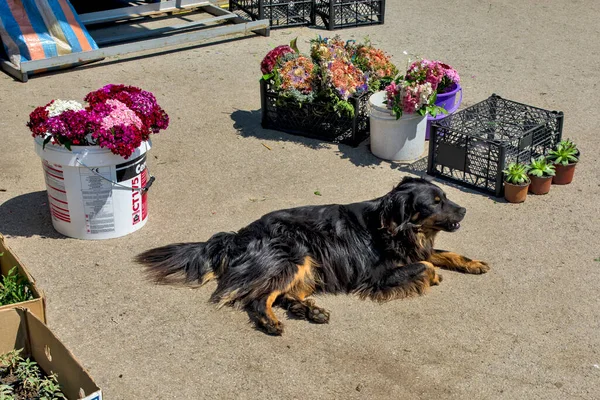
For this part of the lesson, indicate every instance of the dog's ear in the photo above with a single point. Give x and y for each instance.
(395, 212)
(427, 178)
(410, 179)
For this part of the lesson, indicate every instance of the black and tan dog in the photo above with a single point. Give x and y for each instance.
(380, 249)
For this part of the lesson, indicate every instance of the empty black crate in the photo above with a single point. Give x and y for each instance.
(280, 13)
(474, 146)
(336, 14)
(312, 120)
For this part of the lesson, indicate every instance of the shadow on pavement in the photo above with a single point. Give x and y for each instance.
(27, 215)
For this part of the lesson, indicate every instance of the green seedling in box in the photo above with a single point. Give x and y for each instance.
(22, 378)
(14, 288)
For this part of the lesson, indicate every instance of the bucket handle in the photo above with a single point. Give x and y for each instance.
(141, 189)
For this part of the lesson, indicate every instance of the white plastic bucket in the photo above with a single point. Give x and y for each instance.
(93, 193)
(392, 139)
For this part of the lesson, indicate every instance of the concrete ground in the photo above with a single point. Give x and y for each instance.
(529, 329)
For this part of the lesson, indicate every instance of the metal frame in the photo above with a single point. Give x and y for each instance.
(183, 34)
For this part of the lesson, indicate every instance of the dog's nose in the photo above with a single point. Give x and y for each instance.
(462, 211)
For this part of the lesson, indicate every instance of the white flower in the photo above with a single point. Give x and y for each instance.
(426, 92)
(60, 106)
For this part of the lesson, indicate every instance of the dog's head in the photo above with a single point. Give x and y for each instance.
(416, 202)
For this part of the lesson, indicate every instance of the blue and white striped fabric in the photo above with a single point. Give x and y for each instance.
(38, 29)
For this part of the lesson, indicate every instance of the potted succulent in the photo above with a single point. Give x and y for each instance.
(516, 182)
(565, 158)
(541, 172)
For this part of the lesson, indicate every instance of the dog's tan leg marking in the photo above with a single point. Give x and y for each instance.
(267, 320)
(301, 287)
(406, 281)
(456, 262)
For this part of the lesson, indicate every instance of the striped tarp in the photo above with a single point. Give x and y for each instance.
(38, 29)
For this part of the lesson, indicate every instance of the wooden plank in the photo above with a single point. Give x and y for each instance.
(150, 44)
(160, 31)
(13, 71)
(139, 11)
(214, 10)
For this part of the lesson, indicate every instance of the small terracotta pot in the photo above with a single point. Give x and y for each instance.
(540, 184)
(564, 174)
(515, 193)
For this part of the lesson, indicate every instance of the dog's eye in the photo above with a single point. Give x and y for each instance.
(437, 200)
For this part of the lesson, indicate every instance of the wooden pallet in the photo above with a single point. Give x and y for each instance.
(147, 27)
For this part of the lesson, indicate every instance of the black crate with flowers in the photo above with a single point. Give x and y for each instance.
(323, 95)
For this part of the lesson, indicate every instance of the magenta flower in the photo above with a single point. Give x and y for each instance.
(272, 57)
(118, 117)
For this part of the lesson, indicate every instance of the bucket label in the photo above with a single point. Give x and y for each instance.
(57, 195)
(96, 189)
(133, 173)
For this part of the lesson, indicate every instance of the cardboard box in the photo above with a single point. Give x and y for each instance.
(20, 329)
(8, 260)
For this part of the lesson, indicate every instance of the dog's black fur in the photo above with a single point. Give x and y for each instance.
(380, 249)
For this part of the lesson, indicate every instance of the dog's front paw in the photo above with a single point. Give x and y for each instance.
(434, 278)
(477, 267)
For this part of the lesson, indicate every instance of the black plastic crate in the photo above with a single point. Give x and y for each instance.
(312, 121)
(336, 14)
(474, 146)
(280, 13)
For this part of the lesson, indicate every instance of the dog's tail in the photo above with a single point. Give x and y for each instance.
(188, 262)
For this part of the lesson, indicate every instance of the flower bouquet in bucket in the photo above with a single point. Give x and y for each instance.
(324, 94)
(94, 159)
(408, 99)
(445, 81)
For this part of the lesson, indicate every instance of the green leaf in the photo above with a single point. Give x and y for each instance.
(317, 193)
(67, 145)
(536, 172)
(294, 45)
(46, 141)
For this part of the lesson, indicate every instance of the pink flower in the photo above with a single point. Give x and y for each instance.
(120, 115)
(117, 117)
(408, 97)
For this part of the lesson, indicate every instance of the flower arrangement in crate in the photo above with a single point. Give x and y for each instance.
(335, 72)
(324, 94)
(118, 117)
(418, 89)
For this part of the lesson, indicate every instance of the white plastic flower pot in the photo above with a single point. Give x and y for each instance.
(93, 193)
(395, 139)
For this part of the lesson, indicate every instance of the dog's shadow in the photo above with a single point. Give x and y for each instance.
(248, 124)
